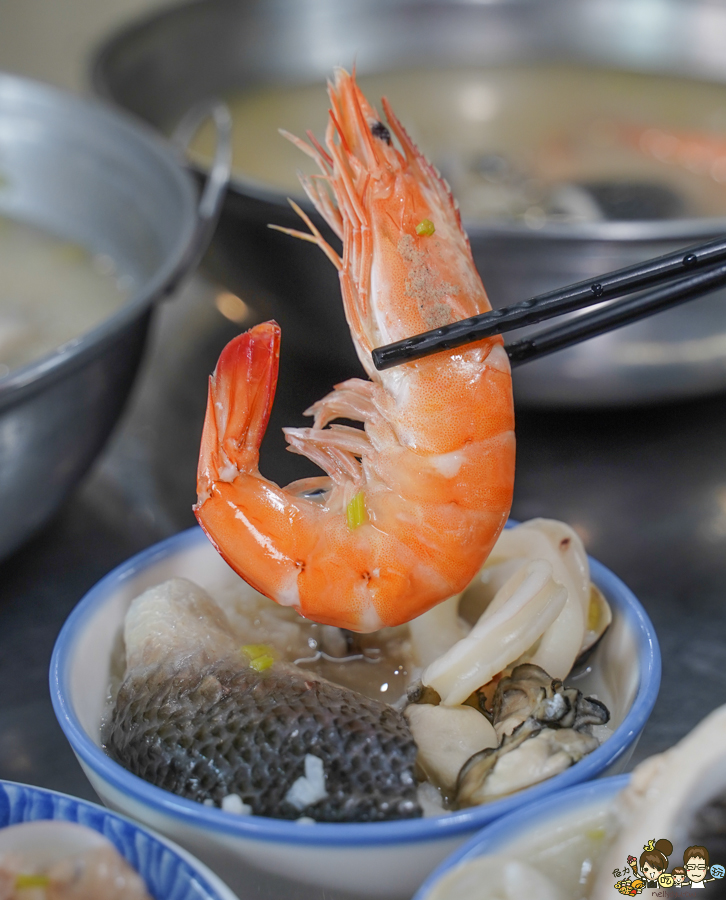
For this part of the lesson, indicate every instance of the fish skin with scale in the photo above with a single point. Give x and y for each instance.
(222, 728)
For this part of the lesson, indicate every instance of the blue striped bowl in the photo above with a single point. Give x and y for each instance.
(170, 873)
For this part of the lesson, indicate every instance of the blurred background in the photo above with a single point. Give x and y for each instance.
(54, 42)
(623, 438)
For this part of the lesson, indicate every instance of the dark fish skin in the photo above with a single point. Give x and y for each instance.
(226, 729)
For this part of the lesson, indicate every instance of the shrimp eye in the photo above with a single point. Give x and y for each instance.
(379, 130)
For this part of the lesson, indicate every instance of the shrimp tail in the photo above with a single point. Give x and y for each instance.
(241, 392)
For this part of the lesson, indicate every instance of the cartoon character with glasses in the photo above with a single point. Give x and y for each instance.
(695, 860)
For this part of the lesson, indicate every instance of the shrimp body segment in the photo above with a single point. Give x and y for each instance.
(411, 504)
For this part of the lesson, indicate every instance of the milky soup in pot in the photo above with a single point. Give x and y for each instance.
(547, 142)
(51, 290)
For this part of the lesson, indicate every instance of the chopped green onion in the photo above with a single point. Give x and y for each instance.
(255, 652)
(356, 511)
(31, 881)
(425, 228)
(596, 834)
(259, 655)
(260, 663)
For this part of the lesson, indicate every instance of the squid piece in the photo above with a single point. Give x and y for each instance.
(523, 609)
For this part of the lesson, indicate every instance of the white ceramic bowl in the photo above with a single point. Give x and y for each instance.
(267, 857)
(515, 834)
(169, 872)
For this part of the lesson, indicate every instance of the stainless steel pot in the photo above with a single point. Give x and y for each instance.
(95, 177)
(159, 66)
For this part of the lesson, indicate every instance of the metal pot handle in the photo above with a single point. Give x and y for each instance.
(210, 203)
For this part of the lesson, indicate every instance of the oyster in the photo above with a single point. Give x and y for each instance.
(544, 729)
(584, 851)
(531, 754)
(529, 692)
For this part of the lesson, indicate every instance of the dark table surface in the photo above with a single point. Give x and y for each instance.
(646, 488)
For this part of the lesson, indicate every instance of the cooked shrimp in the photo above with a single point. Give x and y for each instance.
(412, 503)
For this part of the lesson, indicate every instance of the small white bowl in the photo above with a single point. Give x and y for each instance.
(169, 872)
(260, 856)
(514, 835)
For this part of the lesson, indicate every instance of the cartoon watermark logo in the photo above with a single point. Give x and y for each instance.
(651, 870)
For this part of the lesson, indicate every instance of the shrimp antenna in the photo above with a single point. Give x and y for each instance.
(314, 238)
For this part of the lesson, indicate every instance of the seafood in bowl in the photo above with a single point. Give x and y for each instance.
(661, 827)
(549, 846)
(258, 853)
(242, 703)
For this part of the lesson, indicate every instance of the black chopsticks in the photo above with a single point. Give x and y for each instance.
(683, 276)
(616, 315)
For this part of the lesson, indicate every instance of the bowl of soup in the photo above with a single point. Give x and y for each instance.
(99, 219)
(55, 845)
(578, 138)
(560, 841)
(657, 829)
(284, 851)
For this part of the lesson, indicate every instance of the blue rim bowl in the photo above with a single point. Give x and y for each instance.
(493, 838)
(169, 872)
(610, 757)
